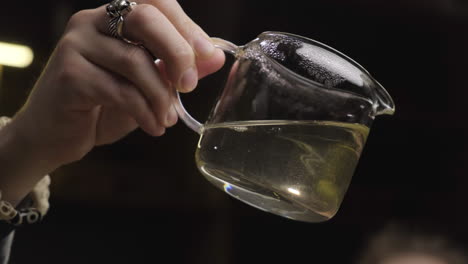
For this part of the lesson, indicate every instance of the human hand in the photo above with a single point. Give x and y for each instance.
(96, 88)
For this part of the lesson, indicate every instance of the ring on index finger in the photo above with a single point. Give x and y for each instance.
(117, 10)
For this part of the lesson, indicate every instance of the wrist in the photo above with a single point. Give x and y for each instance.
(22, 163)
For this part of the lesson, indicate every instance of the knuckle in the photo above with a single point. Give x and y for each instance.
(182, 56)
(78, 19)
(187, 24)
(68, 42)
(183, 52)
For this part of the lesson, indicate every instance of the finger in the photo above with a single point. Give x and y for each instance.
(146, 24)
(208, 59)
(104, 88)
(134, 64)
(109, 117)
(197, 38)
(205, 67)
(123, 95)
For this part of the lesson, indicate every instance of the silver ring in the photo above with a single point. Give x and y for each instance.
(117, 10)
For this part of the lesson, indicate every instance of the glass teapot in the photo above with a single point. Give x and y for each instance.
(288, 129)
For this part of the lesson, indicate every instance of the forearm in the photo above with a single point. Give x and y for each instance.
(22, 165)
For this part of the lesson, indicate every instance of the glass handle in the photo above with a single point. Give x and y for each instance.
(191, 122)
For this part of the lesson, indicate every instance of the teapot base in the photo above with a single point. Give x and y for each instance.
(269, 201)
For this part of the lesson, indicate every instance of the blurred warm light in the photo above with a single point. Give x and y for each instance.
(15, 55)
(294, 191)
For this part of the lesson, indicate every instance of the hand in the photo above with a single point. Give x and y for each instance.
(96, 88)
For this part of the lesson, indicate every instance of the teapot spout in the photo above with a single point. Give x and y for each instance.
(384, 104)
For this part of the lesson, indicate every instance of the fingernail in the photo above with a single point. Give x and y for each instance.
(203, 47)
(189, 80)
(171, 118)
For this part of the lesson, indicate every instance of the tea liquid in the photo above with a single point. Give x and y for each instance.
(297, 169)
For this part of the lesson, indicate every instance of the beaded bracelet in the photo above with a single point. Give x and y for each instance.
(33, 208)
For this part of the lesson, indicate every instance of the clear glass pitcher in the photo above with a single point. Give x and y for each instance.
(288, 129)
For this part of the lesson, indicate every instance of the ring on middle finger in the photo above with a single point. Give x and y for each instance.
(117, 10)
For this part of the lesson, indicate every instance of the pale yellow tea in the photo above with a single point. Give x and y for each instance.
(297, 169)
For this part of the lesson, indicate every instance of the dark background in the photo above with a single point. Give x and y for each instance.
(142, 200)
